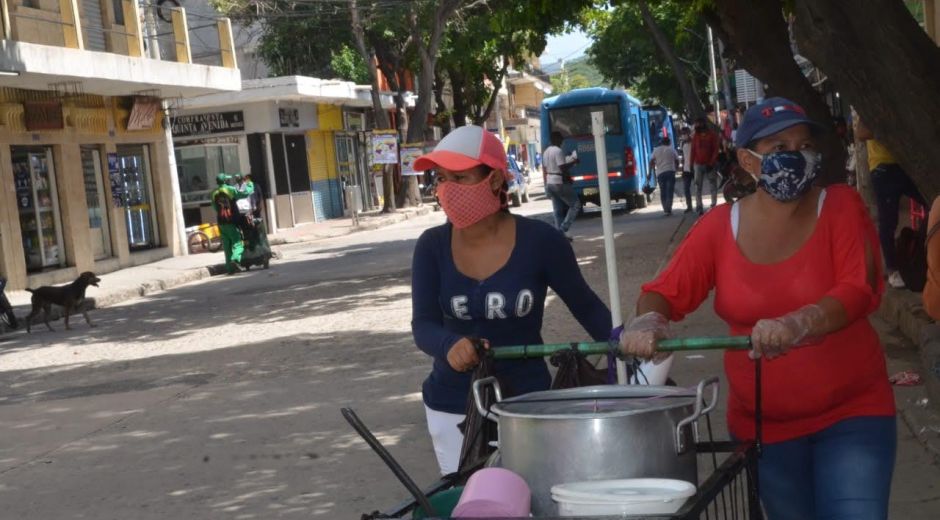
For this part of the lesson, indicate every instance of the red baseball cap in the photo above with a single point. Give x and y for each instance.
(465, 148)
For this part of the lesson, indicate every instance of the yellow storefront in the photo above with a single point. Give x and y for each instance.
(82, 191)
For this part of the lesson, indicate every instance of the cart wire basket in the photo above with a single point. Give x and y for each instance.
(728, 490)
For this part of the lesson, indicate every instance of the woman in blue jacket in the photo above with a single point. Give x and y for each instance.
(485, 274)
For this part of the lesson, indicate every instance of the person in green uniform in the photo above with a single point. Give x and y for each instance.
(223, 202)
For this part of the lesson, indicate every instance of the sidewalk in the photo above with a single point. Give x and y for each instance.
(904, 310)
(133, 282)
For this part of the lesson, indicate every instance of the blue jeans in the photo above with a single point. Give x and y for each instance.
(565, 204)
(667, 188)
(889, 183)
(840, 473)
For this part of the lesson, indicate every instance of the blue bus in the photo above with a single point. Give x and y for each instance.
(660, 125)
(628, 140)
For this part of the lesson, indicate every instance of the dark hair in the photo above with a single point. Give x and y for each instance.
(556, 137)
(665, 141)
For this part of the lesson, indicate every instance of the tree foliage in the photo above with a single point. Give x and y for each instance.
(625, 53)
(564, 82)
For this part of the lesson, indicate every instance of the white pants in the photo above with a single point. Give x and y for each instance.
(446, 438)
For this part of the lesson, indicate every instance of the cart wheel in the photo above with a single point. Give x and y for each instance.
(215, 245)
(198, 242)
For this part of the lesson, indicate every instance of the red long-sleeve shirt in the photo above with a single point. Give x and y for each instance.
(812, 387)
(705, 148)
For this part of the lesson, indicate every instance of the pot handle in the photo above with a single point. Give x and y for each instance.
(701, 408)
(478, 396)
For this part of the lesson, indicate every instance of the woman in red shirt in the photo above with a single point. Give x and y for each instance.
(796, 267)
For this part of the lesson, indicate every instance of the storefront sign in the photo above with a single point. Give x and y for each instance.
(208, 140)
(117, 181)
(43, 115)
(289, 117)
(211, 123)
(385, 147)
(409, 153)
(144, 113)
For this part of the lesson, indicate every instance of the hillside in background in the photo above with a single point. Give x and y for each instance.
(577, 66)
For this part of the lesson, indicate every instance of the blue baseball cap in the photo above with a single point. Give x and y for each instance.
(769, 117)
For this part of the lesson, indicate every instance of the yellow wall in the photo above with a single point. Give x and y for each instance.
(527, 96)
(321, 156)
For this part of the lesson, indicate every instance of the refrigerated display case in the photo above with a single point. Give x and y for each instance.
(38, 204)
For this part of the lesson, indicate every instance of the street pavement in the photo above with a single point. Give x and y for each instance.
(221, 398)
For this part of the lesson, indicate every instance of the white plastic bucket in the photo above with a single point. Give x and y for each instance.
(653, 374)
(622, 497)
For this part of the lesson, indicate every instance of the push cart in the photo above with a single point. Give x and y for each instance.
(728, 473)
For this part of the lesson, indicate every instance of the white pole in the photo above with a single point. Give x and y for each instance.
(607, 220)
(711, 59)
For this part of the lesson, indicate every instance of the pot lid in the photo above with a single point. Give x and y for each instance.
(596, 401)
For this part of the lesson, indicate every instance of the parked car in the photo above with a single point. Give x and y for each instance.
(519, 185)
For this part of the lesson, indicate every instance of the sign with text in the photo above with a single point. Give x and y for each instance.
(43, 115)
(289, 117)
(385, 147)
(144, 114)
(117, 180)
(211, 123)
(409, 154)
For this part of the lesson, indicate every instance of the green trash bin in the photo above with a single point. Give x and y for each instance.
(443, 503)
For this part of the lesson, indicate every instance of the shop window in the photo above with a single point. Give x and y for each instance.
(133, 163)
(197, 167)
(38, 204)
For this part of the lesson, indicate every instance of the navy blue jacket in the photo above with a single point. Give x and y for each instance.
(506, 308)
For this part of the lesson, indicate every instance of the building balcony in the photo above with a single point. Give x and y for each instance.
(115, 47)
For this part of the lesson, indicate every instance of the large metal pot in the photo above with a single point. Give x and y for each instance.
(597, 433)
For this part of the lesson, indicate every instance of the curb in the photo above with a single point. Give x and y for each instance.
(380, 222)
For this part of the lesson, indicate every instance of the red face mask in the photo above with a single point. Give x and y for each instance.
(465, 205)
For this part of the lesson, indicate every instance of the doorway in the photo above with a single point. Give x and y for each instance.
(98, 223)
(133, 164)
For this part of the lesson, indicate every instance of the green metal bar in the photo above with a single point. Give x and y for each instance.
(668, 345)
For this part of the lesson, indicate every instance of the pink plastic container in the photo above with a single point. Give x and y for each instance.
(494, 493)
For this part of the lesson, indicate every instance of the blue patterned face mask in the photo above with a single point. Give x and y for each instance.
(788, 175)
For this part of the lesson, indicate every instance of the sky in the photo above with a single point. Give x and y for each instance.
(565, 46)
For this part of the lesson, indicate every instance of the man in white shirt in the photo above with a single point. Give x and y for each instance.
(685, 141)
(558, 185)
(664, 163)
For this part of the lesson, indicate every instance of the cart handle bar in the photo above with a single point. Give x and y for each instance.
(666, 345)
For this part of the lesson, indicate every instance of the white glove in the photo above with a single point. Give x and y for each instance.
(640, 336)
(775, 337)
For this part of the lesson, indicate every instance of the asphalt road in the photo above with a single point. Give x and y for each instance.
(220, 399)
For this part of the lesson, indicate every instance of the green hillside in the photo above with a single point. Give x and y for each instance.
(580, 66)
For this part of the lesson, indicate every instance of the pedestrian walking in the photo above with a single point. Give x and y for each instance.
(228, 218)
(685, 141)
(558, 185)
(484, 275)
(704, 158)
(796, 267)
(664, 163)
(890, 182)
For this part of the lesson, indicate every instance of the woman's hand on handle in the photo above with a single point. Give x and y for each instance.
(775, 337)
(640, 336)
(463, 355)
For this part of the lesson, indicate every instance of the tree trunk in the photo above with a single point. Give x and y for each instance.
(756, 36)
(480, 119)
(692, 101)
(381, 117)
(457, 83)
(888, 68)
(441, 110)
